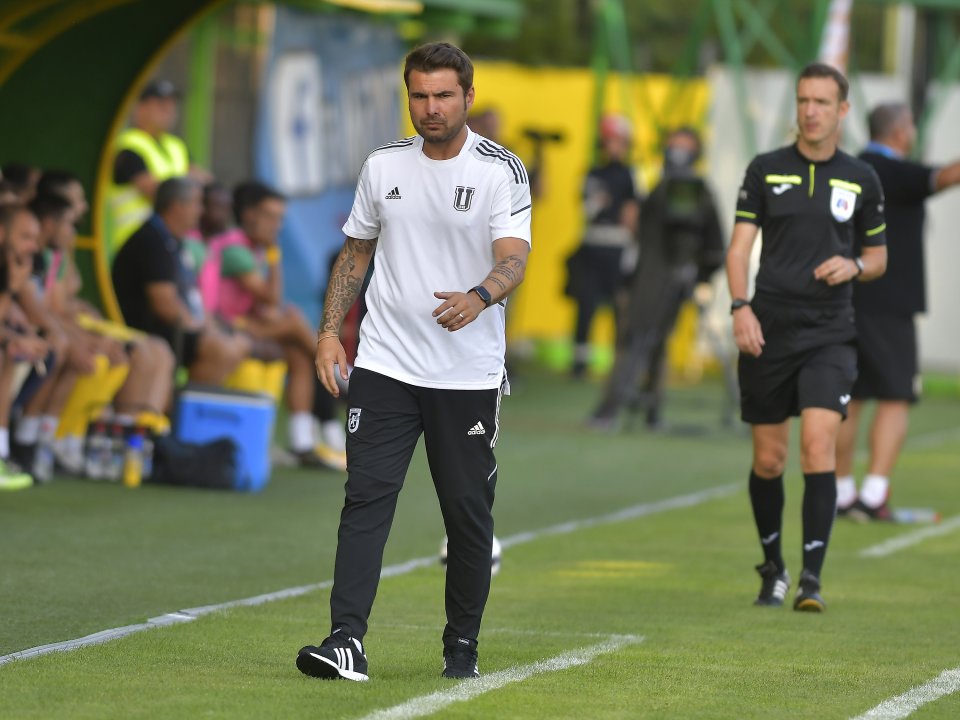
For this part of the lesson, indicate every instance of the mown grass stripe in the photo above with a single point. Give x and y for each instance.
(888, 547)
(181, 616)
(901, 706)
(467, 690)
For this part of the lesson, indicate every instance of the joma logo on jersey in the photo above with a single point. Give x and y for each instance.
(463, 198)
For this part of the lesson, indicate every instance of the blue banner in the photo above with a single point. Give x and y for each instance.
(332, 94)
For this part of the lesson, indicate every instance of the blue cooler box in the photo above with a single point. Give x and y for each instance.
(208, 414)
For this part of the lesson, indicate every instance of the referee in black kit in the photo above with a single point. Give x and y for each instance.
(814, 204)
(448, 213)
(886, 333)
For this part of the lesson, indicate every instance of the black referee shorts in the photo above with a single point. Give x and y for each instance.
(809, 360)
(886, 357)
(384, 422)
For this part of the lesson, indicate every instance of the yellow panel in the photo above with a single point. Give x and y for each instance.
(561, 100)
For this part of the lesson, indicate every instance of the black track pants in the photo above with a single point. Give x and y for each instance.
(384, 422)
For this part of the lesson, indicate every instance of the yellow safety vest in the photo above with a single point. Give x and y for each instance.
(127, 209)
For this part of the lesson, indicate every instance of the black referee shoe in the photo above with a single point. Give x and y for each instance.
(339, 657)
(774, 585)
(460, 660)
(808, 596)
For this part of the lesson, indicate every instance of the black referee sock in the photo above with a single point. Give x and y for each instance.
(819, 509)
(766, 497)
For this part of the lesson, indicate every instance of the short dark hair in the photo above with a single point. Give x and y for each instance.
(251, 193)
(49, 206)
(212, 187)
(822, 70)
(18, 175)
(885, 118)
(54, 182)
(440, 56)
(173, 190)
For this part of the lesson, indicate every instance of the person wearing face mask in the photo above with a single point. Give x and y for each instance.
(681, 245)
(610, 211)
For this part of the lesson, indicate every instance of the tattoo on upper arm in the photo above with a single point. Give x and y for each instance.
(345, 282)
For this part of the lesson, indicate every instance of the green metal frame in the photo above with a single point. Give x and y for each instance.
(744, 24)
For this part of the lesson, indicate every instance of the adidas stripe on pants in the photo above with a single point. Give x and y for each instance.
(385, 421)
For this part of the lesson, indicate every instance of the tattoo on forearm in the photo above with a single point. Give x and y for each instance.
(507, 273)
(346, 280)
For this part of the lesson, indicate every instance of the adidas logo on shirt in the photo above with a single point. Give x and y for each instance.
(393, 195)
(477, 429)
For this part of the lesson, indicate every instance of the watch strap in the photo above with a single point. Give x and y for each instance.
(737, 304)
(484, 294)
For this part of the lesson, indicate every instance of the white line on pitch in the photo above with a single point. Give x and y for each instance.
(182, 616)
(901, 706)
(892, 545)
(466, 690)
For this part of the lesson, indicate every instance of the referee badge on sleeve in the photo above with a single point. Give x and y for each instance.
(842, 203)
(353, 420)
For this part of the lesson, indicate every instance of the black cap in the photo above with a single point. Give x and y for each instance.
(159, 89)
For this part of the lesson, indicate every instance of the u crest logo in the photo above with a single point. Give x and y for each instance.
(463, 197)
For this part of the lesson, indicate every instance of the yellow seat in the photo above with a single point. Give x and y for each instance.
(258, 376)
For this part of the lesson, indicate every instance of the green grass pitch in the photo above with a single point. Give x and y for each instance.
(79, 557)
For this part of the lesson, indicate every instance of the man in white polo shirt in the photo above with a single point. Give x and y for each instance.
(448, 214)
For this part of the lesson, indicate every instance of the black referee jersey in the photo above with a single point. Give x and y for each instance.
(809, 211)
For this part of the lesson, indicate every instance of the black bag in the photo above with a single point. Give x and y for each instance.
(210, 465)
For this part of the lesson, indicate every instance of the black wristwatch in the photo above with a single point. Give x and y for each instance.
(484, 294)
(737, 304)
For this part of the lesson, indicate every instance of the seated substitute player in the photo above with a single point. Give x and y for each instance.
(242, 284)
(815, 204)
(448, 213)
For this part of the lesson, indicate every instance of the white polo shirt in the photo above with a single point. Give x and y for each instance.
(436, 221)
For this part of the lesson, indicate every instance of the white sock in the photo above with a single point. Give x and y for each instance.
(301, 431)
(875, 490)
(28, 429)
(846, 491)
(331, 432)
(48, 429)
(69, 446)
(4, 443)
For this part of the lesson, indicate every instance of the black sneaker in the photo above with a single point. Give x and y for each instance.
(808, 596)
(338, 657)
(774, 586)
(843, 511)
(460, 660)
(861, 512)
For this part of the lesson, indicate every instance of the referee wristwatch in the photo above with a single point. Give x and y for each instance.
(737, 304)
(859, 263)
(484, 294)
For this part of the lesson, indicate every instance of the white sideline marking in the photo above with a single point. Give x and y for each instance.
(182, 616)
(901, 706)
(887, 547)
(468, 689)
